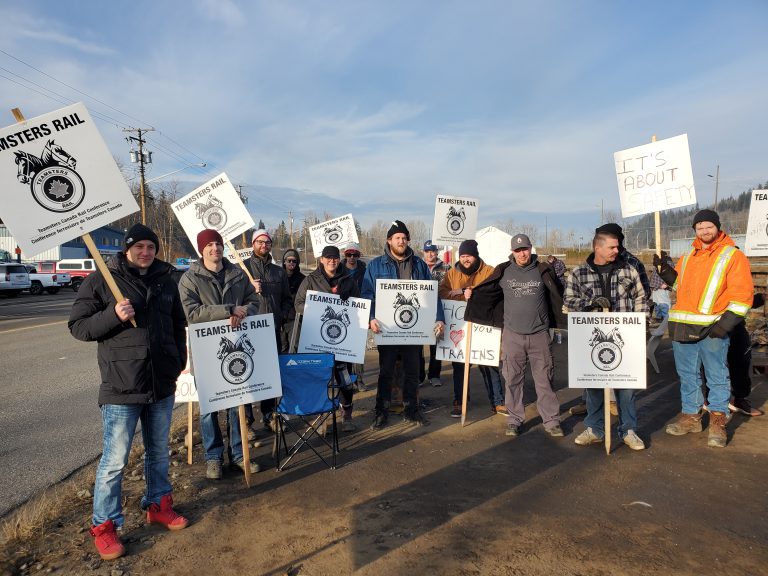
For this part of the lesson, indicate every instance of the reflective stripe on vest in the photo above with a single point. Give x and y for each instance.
(714, 281)
(691, 318)
(740, 309)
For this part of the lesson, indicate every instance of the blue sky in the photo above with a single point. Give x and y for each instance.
(376, 107)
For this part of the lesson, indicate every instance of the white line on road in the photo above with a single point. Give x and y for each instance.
(30, 327)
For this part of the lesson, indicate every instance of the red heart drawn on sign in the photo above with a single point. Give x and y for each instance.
(457, 336)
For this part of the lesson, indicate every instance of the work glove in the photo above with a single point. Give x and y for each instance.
(600, 303)
(758, 300)
(718, 331)
(666, 272)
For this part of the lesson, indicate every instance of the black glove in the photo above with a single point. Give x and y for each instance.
(758, 300)
(665, 271)
(601, 302)
(345, 290)
(718, 331)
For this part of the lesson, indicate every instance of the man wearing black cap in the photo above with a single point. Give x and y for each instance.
(607, 282)
(397, 263)
(523, 297)
(714, 293)
(139, 367)
(216, 289)
(331, 278)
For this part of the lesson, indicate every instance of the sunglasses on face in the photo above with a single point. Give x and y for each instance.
(291, 261)
(352, 255)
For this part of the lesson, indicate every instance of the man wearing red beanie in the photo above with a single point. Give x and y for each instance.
(216, 289)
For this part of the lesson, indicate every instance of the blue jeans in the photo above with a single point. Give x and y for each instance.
(119, 422)
(712, 354)
(625, 403)
(213, 443)
(494, 385)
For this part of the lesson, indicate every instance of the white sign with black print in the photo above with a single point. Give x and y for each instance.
(335, 326)
(337, 232)
(606, 350)
(756, 243)
(406, 311)
(235, 366)
(655, 177)
(186, 391)
(215, 205)
(485, 342)
(59, 180)
(244, 254)
(455, 220)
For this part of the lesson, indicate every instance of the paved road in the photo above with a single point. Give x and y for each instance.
(49, 419)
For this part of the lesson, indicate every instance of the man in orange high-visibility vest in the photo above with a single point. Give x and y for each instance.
(714, 293)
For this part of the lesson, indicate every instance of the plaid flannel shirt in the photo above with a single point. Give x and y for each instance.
(626, 290)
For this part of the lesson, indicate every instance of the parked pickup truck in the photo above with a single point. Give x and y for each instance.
(46, 281)
(77, 268)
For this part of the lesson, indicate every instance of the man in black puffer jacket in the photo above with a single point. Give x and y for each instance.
(139, 367)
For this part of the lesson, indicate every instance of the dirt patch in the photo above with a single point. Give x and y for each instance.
(443, 499)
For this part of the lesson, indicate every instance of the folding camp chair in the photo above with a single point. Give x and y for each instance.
(310, 398)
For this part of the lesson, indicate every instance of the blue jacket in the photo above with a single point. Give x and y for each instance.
(384, 268)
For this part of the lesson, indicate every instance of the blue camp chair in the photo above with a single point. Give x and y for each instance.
(310, 397)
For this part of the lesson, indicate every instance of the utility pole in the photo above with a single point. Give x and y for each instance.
(244, 201)
(141, 160)
(290, 224)
(717, 183)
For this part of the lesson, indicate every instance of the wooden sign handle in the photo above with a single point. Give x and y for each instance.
(190, 408)
(100, 264)
(246, 447)
(607, 413)
(239, 260)
(467, 366)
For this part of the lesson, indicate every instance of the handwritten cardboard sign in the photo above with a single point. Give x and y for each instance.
(485, 342)
(655, 177)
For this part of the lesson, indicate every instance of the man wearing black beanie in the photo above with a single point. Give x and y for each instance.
(397, 263)
(714, 293)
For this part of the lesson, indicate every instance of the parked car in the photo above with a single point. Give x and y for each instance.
(77, 268)
(46, 281)
(13, 279)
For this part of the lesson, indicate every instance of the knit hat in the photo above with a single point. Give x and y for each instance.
(398, 227)
(260, 232)
(205, 237)
(611, 228)
(331, 252)
(139, 232)
(706, 216)
(352, 247)
(469, 247)
(290, 252)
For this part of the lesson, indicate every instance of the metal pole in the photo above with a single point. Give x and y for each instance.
(717, 184)
(141, 178)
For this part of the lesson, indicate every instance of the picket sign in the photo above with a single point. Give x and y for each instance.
(465, 391)
(231, 204)
(95, 254)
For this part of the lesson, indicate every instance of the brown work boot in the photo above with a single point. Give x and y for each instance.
(684, 423)
(717, 436)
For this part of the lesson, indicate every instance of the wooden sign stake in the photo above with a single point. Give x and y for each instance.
(190, 408)
(246, 447)
(100, 264)
(467, 366)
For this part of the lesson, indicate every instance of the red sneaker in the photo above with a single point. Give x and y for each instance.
(107, 541)
(165, 515)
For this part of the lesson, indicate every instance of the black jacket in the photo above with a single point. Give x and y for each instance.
(138, 365)
(486, 306)
(275, 294)
(341, 284)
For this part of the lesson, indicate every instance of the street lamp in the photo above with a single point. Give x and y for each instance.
(717, 183)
